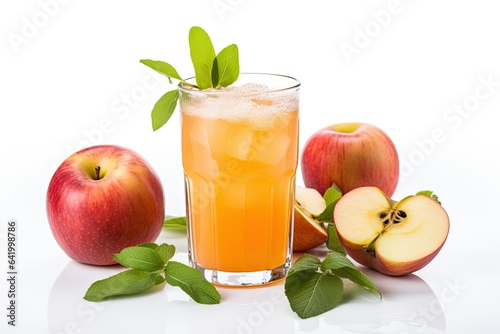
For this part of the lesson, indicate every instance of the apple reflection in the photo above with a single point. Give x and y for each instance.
(408, 306)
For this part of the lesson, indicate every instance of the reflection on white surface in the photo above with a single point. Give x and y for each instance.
(68, 312)
(408, 306)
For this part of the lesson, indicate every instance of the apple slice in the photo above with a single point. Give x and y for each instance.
(307, 231)
(394, 238)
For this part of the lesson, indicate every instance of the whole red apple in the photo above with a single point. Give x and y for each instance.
(103, 199)
(351, 155)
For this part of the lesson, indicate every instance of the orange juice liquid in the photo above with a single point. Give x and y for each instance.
(240, 181)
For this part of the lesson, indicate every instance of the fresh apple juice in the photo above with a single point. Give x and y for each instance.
(239, 153)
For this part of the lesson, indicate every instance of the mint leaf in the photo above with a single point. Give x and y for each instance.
(333, 242)
(151, 245)
(166, 252)
(341, 266)
(163, 68)
(125, 283)
(211, 70)
(309, 290)
(327, 214)
(140, 258)
(164, 108)
(149, 262)
(311, 293)
(202, 55)
(314, 287)
(306, 262)
(192, 282)
(227, 66)
(430, 194)
(331, 196)
(175, 223)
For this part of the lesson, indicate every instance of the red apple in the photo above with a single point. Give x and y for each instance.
(394, 238)
(350, 155)
(308, 232)
(103, 199)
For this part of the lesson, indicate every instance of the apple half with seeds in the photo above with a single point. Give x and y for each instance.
(394, 238)
(308, 232)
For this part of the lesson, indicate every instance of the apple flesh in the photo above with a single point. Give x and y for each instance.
(101, 200)
(308, 232)
(351, 155)
(394, 238)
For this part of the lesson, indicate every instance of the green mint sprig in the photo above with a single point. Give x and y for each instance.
(150, 265)
(211, 71)
(313, 286)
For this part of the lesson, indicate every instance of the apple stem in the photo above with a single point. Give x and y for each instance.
(97, 171)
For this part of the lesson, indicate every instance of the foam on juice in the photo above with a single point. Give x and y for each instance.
(237, 103)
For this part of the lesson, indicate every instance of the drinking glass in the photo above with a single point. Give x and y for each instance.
(239, 154)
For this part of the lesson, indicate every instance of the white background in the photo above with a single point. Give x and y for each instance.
(70, 77)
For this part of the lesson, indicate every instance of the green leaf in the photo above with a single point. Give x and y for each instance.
(333, 242)
(140, 258)
(166, 252)
(151, 245)
(306, 262)
(125, 283)
(192, 282)
(332, 194)
(341, 266)
(227, 66)
(163, 68)
(175, 223)
(430, 194)
(312, 293)
(164, 108)
(202, 55)
(327, 214)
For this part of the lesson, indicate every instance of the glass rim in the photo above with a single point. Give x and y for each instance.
(294, 84)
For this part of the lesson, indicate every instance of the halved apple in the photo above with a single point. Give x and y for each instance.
(307, 231)
(394, 238)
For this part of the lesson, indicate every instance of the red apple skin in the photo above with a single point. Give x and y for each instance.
(93, 219)
(351, 155)
(384, 265)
